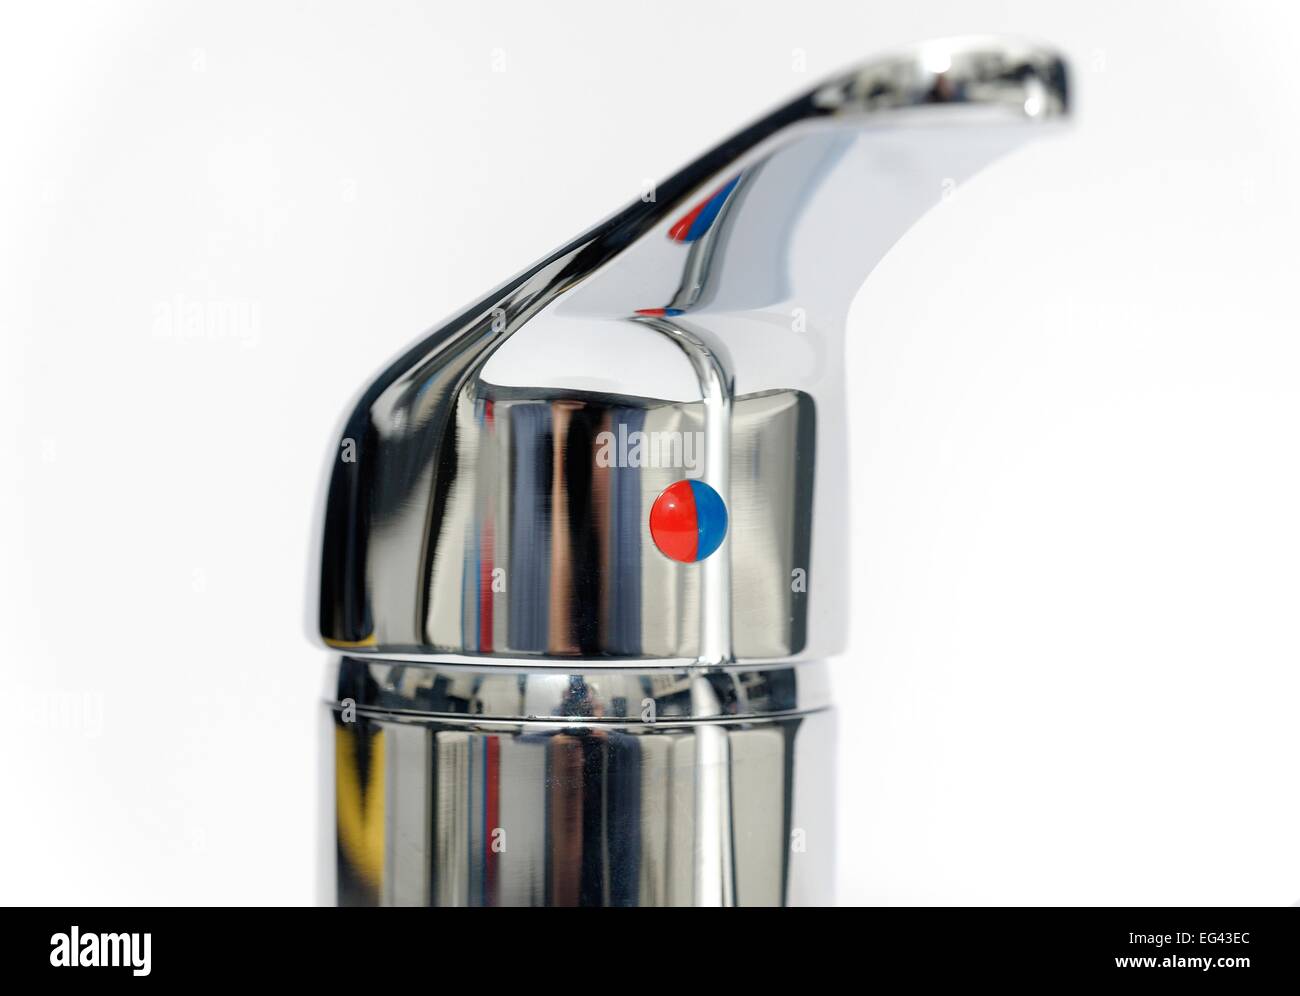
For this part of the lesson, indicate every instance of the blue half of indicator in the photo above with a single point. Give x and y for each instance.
(710, 518)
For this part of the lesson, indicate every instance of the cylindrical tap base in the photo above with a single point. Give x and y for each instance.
(452, 785)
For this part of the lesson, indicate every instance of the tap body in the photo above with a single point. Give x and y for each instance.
(582, 563)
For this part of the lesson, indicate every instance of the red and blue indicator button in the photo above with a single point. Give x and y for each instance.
(688, 521)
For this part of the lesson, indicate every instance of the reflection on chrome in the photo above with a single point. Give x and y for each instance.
(479, 540)
(662, 788)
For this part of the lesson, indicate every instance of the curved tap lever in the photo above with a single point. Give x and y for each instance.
(502, 469)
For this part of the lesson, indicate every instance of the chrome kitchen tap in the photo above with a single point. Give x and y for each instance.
(583, 554)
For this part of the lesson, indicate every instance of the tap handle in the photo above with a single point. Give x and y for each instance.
(634, 451)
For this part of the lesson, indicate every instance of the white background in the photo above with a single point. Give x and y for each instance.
(1075, 662)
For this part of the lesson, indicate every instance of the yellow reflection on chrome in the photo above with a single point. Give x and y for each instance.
(369, 641)
(360, 811)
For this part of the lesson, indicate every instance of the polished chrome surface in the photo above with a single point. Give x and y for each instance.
(478, 508)
(539, 707)
(656, 788)
(608, 693)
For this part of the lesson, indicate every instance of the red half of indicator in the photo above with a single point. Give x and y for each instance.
(674, 524)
